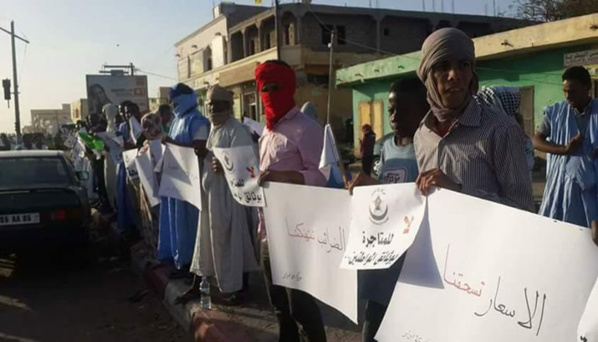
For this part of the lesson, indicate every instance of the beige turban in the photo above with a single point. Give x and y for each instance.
(440, 46)
(218, 93)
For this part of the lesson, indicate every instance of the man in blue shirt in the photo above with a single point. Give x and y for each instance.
(407, 106)
(569, 136)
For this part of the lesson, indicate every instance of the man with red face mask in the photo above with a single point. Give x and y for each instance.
(290, 151)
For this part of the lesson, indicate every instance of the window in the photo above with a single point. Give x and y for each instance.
(30, 171)
(341, 35)
(326, 34)
(386, 31)
(252, 49)
(267, 40)
(287, 34)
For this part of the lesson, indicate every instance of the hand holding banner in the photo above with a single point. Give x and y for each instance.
(241, 170)
(385, 222)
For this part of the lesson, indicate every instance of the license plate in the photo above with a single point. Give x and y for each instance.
(18, 219)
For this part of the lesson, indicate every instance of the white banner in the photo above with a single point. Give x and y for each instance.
(241, 170)
(136, 129)
(114, 148)
(129, 159)
(148, 177)
(306, 228)
(481, 271)
(180, 175)
(385, 222)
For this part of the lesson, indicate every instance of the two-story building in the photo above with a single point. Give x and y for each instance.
(226, 50)
(48, 121)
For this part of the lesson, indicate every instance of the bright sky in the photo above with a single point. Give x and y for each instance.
(72, 38)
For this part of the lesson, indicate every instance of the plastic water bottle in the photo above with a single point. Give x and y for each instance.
(204, 288)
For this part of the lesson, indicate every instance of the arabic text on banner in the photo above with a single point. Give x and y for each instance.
(241, 170)
(129, 158)
(481, 271)
(306, 239)
(385, 222)
(180, 175)
(148, 178)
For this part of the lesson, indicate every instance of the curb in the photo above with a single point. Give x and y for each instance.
(206, 326)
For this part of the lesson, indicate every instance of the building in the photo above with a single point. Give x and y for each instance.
(532, 58)
(227, 49)
(162, 98)
(48, 121)
(79, 110)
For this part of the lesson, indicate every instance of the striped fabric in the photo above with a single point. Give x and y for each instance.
(484, 153)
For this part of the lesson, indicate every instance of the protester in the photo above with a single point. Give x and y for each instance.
(96, 123)
(27, 143)
(179, 219)
(407, 106)
(310, 110)
(224, 247)
(133, 118)
(460, 145)
(125, 219)
(38, 142)
(506, 100)
(367, 148)
(289, 153)
(569, 134)
(6, 144)
(110, 111)
(165, 112)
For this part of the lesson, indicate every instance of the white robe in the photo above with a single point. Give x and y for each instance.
(225, 237)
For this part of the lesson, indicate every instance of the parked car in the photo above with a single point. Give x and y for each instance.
(42, 203)
(377, 151)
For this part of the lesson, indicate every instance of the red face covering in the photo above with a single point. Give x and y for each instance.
(279, 102)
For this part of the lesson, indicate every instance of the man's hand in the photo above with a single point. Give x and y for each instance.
(574, 143)
(291, 177)
(216, 166)
(436, 178)
(362, 180)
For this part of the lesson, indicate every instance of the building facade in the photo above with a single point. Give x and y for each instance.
(531, 58)
(79, 110)
(48, 121)
(162, 98)
(226, 51)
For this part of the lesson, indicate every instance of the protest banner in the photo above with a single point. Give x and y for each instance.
(129, 159)
(385, 222)
(306, 229)
(156, 149)
(180, 175)
(482, 271)
(148, 178)
(112, 142)
(241, 170)
(254, 126)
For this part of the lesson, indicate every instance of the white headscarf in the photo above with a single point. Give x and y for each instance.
(110, 111)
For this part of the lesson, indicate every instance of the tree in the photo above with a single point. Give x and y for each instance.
(550, 10)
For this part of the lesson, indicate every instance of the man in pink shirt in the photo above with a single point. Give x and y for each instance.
(290, 151)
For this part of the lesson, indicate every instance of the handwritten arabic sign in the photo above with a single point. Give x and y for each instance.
(241, 170)
(307, 243)
(129, 159)
(481, 271)
(180, 175)
(580, 58)
(148, 177)
(385, 222)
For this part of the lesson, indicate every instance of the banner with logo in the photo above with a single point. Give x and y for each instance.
(104, 89)
(482, 271)
(385, 222)
(180, 175)
(242, 170)
(307, 231)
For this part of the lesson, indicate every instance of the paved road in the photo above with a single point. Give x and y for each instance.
(40, 301)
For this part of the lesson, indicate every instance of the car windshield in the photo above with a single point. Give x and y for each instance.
(18, 172)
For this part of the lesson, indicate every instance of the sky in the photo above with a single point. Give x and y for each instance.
(72, 38)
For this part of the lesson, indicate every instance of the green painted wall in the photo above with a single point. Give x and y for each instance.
(541, 70)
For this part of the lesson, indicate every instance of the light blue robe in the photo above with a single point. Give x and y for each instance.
(179, 219)
(570, 194)
(125, 219)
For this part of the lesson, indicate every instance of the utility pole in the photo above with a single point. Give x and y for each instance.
(14, 75)
(330, 73)
(277, 28)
